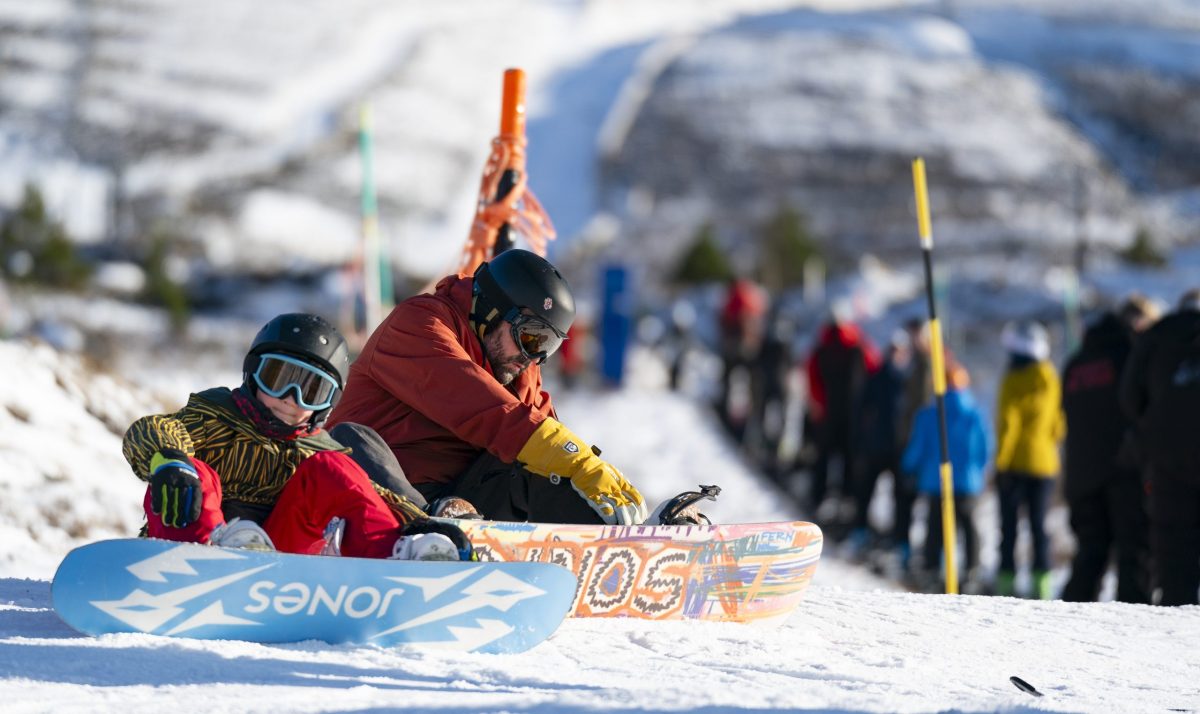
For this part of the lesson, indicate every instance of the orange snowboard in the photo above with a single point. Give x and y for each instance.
(746, 572)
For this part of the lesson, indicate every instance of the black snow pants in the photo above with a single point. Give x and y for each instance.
(1111, 520)
(1175, 535)
(507, 492)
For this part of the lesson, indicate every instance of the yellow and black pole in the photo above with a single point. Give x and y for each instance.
(937, 363)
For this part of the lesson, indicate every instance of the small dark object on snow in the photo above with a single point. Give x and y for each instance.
(682, 510)
(1024, 686)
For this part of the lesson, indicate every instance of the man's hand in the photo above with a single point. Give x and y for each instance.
(555, 449)
(610, 495)
(175, 493)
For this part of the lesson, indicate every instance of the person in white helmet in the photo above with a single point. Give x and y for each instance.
(1029, 428)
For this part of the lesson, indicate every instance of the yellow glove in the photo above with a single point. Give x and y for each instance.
(555, 449)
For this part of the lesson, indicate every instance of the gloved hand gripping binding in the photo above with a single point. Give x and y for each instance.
(553, 449)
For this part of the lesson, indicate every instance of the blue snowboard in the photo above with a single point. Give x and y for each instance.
(189, 590)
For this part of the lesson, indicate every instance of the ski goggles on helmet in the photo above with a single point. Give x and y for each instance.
(279, 374)
(535, 337)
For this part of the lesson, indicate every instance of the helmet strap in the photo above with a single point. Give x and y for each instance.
(487, 310)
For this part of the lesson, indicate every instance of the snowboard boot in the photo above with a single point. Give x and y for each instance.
(241, 534)
(424, 546)
(683, 510)
(1043, 587)
(453, 507)
(451, 542)
(1006, 583)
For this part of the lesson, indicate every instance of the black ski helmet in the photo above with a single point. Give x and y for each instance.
(521, 279)
(308, 338)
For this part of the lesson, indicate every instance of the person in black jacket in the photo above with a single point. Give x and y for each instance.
(837, 370)
(879, 440)
(1160, 391)
(1103, 486)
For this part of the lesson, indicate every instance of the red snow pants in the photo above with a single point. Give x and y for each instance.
(327, 484)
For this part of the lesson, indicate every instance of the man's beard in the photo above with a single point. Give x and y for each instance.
(505, 370)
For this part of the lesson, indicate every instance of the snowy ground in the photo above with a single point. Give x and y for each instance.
(843, 651)
(852, 646)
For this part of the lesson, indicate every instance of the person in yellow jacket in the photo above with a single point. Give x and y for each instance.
(1029, 428)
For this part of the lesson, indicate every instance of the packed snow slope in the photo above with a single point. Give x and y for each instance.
(842, 651)
(850, 647)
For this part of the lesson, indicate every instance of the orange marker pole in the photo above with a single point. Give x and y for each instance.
(512, 123)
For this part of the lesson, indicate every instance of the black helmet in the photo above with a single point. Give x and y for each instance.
(521, 279)
(308, 338)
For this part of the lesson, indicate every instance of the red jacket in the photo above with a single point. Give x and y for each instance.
(422, 382)
(837, 369)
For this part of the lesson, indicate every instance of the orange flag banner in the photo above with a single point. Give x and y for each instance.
(506, 208)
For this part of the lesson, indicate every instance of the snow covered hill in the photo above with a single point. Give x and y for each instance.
(838, 114)
(1040, 124)
(852, 646)
(209, 115)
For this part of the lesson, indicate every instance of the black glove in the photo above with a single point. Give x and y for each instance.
(175, 493)
(465, 550)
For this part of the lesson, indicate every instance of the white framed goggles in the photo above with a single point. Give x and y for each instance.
(279, 374)
(535, 337)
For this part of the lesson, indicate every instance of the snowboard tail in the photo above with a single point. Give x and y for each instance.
(754, 572)
(205, 592)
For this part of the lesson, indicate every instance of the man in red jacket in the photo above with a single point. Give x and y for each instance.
(451, 382)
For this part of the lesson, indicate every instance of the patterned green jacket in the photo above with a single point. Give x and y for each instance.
(253, 468)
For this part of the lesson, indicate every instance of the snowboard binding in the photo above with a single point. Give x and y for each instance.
(682, 510)
(453, 507)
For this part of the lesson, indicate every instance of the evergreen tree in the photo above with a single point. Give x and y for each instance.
(786, 246)
(703, 262)
(161, 289)
(36, 248)
(1143, 251)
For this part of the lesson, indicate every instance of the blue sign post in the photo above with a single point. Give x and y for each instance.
(616, 322)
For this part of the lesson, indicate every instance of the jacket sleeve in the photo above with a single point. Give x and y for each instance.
(914, 454)
(1008, 427)
(981, 442)
(1133, 395)
(1059, 428)
(421, 362)
(816, 387)
(872, 360)
(156, 432)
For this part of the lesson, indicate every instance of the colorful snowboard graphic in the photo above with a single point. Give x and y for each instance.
(199, 591)
(753, 572)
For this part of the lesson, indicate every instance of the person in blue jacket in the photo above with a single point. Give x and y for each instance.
(970, 445)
